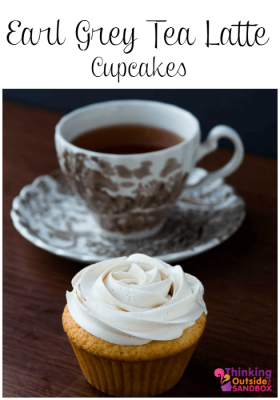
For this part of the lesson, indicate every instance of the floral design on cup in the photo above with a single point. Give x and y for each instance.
(120, 198)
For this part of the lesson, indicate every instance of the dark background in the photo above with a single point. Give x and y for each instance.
(253, 113)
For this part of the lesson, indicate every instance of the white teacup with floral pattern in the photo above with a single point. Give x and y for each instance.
(130, 195)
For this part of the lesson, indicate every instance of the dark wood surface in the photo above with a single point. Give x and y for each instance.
(239, 276)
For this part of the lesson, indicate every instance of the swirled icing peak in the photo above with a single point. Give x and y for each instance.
(134, 300)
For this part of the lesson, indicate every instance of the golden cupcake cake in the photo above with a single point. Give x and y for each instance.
(134, 323)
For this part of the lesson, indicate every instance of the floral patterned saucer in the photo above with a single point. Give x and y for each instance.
(48, 215)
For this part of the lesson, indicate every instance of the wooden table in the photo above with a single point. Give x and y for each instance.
(239, 276)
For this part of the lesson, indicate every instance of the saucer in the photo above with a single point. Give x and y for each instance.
(48, 215)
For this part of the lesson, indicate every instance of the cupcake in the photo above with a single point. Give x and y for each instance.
(134, 323)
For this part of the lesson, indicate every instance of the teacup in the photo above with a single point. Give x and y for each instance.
(130, 195)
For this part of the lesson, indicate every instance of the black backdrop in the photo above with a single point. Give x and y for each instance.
(253, 113)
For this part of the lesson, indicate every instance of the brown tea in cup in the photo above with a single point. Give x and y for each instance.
(126, 139)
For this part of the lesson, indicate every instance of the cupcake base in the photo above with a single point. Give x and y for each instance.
(133, 379)
(132, 371)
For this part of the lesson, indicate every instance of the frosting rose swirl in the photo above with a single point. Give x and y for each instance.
(134, 300)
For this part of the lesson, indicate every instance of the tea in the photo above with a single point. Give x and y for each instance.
(127, 139)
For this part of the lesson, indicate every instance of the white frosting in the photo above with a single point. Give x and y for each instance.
(133, 300)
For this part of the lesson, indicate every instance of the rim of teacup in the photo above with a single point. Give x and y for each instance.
(135, 102)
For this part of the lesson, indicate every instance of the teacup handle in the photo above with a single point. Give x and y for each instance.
(211, 144)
